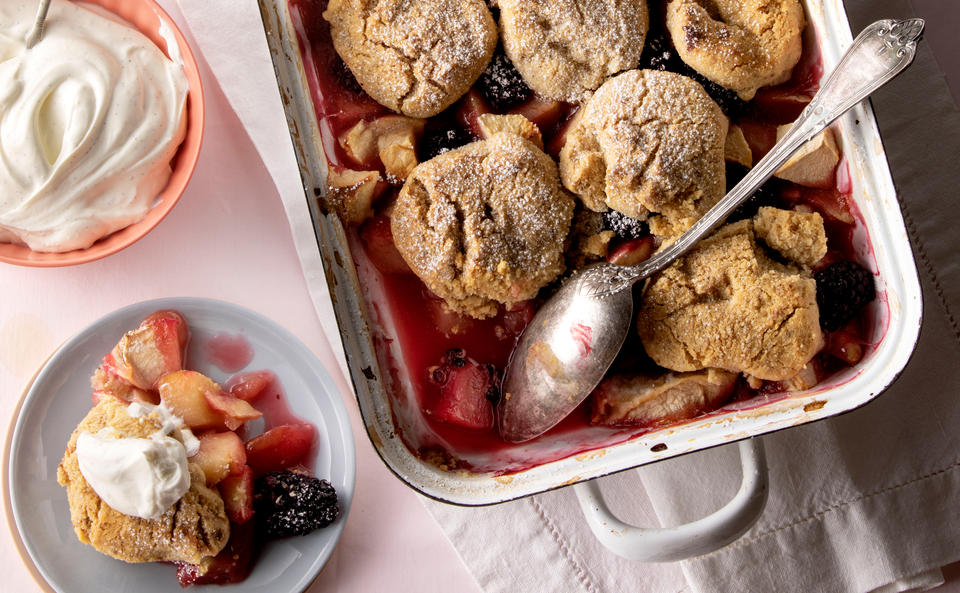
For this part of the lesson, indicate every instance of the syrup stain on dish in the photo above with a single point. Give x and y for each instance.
(230, 353)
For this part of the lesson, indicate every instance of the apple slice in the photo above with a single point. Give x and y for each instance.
(152, 350)
(353, 193)
(377, 238)
(463, 399)
(469, 109)
(545, 113)
(249, 386)
(237, 493)
(631, 253)
(184, 392)
(220, 455)
(279, 448)
(235, 411)
(106, 383)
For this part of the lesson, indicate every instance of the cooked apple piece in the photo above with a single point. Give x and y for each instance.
(249, 386)
(235, 411)
(815, 164)
(736, 149)
(237, 493)
(149, 352)
(280, 448)
(220, 455)
(392, 138)
(514, 123)
(632, 252)
(641, 400)
(377, 238)
(807, 378)
(352, 193)
(105, 382)
(469, 109)
(545, 113)
(184, 392)
(463, 397)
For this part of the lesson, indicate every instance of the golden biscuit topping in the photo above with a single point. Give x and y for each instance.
(739, 44)
(415, 57)
(564, 49)
(729, 305)
(648, 142)
(484, 224)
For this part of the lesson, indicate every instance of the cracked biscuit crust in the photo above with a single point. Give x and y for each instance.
(648, 142)
(484, 224)
(565, 49)
(739, 44)
(415, 57)
(728, 305)
(194, 528)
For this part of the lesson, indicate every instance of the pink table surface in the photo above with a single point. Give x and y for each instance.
(228, 239)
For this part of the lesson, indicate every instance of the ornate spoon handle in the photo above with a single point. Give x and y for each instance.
(879, 53)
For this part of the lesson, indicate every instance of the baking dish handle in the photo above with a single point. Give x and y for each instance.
(691, 539)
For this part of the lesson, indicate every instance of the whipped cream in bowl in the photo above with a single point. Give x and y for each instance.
(99, 129)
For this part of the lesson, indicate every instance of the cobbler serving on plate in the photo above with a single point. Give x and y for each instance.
(168, 467)
(474, 175)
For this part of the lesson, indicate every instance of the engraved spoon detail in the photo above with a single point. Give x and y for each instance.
(573, 339)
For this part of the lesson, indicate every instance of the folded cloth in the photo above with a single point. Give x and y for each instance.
(857, 503)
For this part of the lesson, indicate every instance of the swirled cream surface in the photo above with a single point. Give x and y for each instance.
(141, 477)
(90, 118)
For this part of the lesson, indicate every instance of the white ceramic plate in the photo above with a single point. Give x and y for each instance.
(60, 397)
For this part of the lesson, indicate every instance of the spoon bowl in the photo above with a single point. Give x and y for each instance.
(563, 353)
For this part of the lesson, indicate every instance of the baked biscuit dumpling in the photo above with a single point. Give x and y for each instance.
(415, 57)
(484, 224)
(195, 528)
(739, 44)
(727, 304)
(648, 142)
(564, 49)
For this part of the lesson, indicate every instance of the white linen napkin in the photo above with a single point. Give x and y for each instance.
(857, 503)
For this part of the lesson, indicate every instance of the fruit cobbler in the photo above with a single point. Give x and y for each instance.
(166, 466)
(481, 152)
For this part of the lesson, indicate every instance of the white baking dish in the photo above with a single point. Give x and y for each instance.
(896, 312)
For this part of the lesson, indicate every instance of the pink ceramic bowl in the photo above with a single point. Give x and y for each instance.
(150, 19)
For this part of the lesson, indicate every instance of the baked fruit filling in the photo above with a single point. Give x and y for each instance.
(166, 468)
(594, 131)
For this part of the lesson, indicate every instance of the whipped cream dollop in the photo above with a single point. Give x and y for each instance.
(90, 118)
(141, 477)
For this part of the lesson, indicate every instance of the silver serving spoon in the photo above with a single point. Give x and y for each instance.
(573, 339)
(36, 32)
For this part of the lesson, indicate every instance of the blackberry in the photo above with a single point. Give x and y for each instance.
(287, 503)
(501, 85)
(437, 141)
(729, 101)
(843, 289)
(625, 227)
(768, 194)
(345, 78)
(658, 53)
